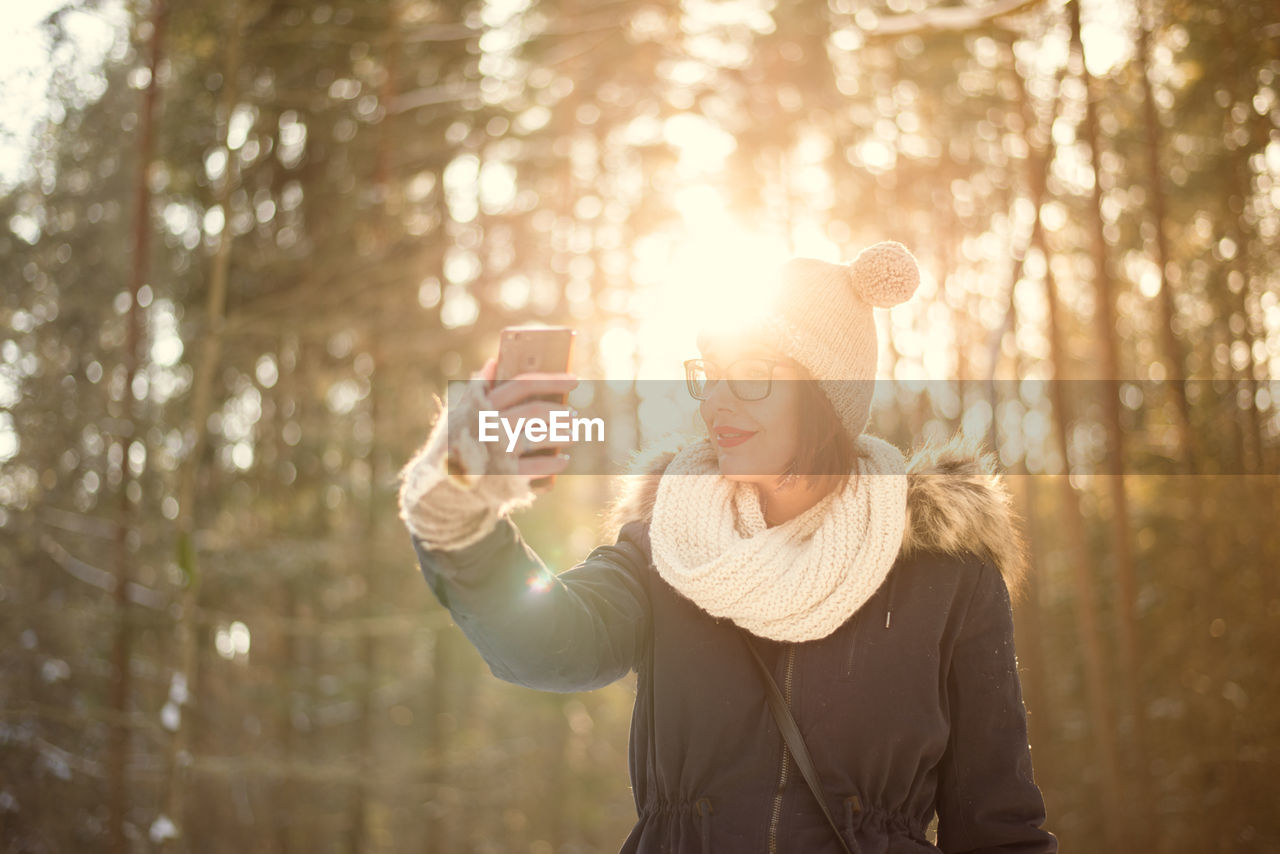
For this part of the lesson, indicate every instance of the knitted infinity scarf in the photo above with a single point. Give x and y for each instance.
(796, 581)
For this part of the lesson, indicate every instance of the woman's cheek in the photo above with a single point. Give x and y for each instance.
(783, 429)
(705, 411)
(766, 453)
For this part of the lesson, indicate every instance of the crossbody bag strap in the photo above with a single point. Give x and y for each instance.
(795, 742)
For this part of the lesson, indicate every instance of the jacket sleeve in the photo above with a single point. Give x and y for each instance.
(987, 798)
(454, 489)
(576, 631)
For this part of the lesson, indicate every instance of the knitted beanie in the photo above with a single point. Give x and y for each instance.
(820, 316)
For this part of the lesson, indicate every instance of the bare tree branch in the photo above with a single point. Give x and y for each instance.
(102, 579)
(946, 19)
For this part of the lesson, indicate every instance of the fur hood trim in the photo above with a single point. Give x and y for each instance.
(957, 502)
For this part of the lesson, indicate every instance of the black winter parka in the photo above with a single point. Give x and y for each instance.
(912, 707)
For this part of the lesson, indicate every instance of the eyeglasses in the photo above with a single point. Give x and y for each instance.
(749, 379)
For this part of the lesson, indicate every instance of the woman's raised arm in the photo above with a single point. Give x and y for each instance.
(576, 631)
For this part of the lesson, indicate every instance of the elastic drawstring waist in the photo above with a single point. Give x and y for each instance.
(701, 810)
(858, 812)
(704, 818)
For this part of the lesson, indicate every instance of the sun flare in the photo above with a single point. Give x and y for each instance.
(714, 269)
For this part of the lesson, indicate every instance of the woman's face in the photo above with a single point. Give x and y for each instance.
(755, 440)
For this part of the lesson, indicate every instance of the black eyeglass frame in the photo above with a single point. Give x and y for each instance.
(690, 365)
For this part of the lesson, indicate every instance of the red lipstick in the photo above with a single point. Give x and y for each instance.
(727, 437)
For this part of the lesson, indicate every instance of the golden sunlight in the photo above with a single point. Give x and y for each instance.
(714, 268)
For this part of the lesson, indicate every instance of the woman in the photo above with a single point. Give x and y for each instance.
(877, 590)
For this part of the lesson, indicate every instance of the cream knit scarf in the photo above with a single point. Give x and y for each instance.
(796, 581)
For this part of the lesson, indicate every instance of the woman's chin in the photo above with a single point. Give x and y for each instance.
(741, 471)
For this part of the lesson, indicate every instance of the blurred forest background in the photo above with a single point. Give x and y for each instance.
(252, 239)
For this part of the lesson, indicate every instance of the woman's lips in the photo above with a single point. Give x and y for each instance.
(729, 438)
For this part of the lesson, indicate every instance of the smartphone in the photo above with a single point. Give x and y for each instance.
(536, 349)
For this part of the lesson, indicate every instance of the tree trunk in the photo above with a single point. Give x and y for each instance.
(126, 537)
(361, 789)
(1126, 586)
(202, 393)
(440, 724)
(1083, 570)
(1039, 142)
(1174, 357)
(1237, 199)
(279, 656)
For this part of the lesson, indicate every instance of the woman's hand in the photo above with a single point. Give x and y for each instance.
(455, 487)
(511, 400)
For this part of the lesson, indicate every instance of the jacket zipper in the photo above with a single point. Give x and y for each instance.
(853, 649)
(782, 775)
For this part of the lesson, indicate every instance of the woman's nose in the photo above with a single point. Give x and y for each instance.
(720, 396)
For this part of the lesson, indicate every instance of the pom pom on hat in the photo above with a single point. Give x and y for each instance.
(884, 274)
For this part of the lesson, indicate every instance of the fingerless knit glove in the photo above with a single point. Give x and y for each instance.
(455, 488)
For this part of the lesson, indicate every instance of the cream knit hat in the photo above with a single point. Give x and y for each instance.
(820, 316)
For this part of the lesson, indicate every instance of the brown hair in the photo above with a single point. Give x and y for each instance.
(825, 447)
